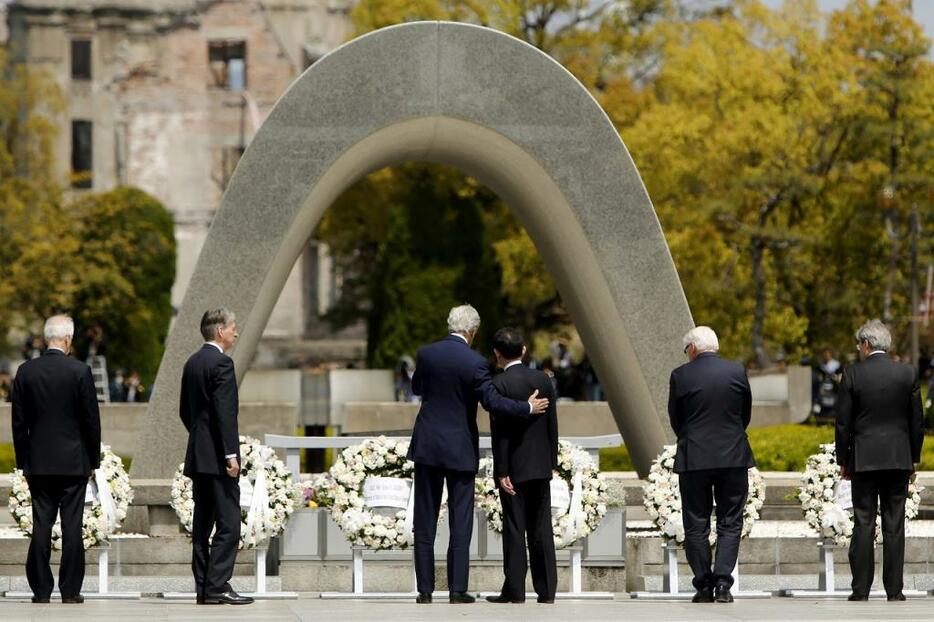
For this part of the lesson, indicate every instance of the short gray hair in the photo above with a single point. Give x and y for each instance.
(214, 319)
(58, 327)
(463, 319)
(703, 338)
(876, 334)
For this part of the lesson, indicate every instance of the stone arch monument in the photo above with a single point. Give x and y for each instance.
(494, 107)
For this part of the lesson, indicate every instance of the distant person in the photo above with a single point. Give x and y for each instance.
(209, 408)
(57, 440)
(525, 453)
(6, 386)
(33, 348)
(133, 388)
(96, 343)
(117, 388)
(404, 372)
(451, 379)
(710, 406)
(879, 432)
(830, 383)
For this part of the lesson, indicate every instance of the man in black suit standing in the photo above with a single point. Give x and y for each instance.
(451, 379)
(525, 454)
(879, 433)
(209, 408)
(57, 440)
(710, 406)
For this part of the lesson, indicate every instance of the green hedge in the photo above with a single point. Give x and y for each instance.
(776, 448)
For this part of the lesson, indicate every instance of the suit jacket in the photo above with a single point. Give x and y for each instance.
(451, 379)
(525, 448)
(879, 421)
(56, 420)
(208, 408)
(710, 406)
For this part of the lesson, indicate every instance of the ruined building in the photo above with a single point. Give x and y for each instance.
(165, 95)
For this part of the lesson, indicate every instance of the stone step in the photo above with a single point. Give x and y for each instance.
(778, 583)
(147, 586)
(383, 576)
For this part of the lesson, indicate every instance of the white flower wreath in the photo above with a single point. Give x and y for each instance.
(363, 526)
(817, 495)
(661, 497)
(267, 495)
(102, 517)
(569, 525)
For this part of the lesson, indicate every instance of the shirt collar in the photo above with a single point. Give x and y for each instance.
(512, 363)
(215, 344)
(461, 336)
(54, 349)
(874, 352)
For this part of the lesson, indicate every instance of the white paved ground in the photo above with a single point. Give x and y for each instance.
(311, 608)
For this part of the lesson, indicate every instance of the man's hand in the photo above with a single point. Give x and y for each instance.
(844, 473)
(914, 473)
(233, 467)
(539, 404)
(506, 484)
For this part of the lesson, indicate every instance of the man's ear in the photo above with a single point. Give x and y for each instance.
(524, 350)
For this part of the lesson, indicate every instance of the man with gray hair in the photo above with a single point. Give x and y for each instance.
(451, 379)
(57, 440)
(209, 408)
(879, 432)
(710, 406)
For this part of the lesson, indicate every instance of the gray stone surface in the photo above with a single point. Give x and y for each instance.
(500, 110)
(309, 607)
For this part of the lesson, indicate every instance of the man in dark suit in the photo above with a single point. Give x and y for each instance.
(525, 454)
(451, 379)
(209, 407)
(709, 406)
(57, 440)
(879, 433)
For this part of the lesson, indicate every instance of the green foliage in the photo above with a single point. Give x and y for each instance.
(7, 458)
(776, 448)
(127, 247)
(783, 150)
(415, 241)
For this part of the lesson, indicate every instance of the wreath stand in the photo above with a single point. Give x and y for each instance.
(103, 575)
(358, 592)
(575, 568)
(670, 589)
(260, 593)
(826, 587)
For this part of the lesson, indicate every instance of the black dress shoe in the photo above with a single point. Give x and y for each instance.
(546, 601)
(462, 598)
(77, 599)
(423, 598)
(856, 597)
(226, 598)
(703, 596)
(722, 594)
(502, 598)
(896, 597)
(40, 601)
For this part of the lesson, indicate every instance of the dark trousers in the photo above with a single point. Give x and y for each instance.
(429, 482)
(869, 488)
(217, 508)
(699, 489)
(51, 495)
(528, 513)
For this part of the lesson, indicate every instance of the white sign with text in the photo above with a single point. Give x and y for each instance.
(387, 492)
